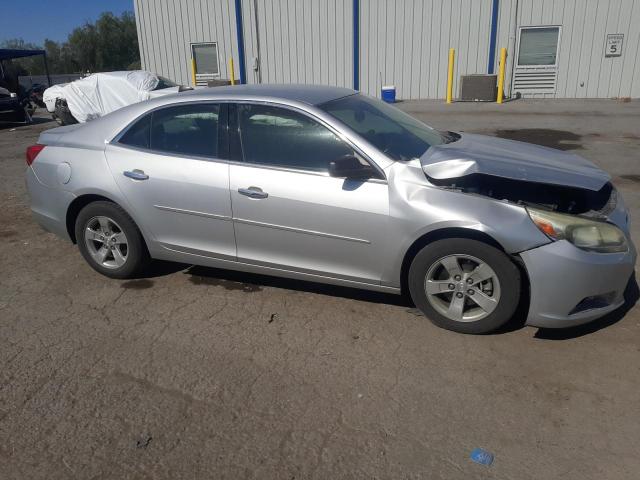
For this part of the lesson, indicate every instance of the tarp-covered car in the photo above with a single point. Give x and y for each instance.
(96, 95)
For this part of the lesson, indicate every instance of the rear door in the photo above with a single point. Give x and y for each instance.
(169, 165)
(289, 213)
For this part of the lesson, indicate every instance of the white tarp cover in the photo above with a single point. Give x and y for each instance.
(102, 93)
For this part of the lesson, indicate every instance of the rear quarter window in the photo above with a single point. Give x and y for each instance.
(137, 135)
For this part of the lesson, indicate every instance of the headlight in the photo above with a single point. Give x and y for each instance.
(586, 234)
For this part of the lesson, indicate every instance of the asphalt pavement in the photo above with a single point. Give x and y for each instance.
(200, 373)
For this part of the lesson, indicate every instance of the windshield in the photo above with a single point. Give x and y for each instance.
(164, 83)
(393, 132)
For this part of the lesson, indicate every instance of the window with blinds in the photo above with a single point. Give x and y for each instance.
(205, 56)
(537, 63)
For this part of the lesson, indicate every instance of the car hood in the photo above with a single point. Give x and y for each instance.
(510, 159)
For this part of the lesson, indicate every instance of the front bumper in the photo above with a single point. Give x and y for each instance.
(569, 286)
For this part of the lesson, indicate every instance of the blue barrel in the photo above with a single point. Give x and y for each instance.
(389, 93)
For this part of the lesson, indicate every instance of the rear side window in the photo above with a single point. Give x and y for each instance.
(280, 137)
(186, 129)
(183, 129)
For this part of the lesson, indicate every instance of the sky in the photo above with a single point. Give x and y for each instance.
(35, 20)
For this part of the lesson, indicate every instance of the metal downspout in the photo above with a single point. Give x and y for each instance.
(240, 37)
(495, 9)
(512, 47)
(356, 44)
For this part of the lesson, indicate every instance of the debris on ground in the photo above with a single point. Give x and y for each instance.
(482, 456)
(273, 317)
(144, 442)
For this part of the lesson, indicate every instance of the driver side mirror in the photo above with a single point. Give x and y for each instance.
(350, 167)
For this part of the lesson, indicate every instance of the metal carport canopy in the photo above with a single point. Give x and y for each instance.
(10, 53)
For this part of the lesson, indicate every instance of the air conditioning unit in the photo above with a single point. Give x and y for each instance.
(478, 88)
(218, 82)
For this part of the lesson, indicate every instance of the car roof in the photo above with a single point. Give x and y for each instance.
(310, 94)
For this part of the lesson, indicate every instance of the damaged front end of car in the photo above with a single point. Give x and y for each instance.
(557, 198)
(581, 274)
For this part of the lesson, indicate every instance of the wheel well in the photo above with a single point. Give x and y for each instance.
(435, 235)
(74, 209)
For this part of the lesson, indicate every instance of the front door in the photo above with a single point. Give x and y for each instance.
(167, 165)
(289, 213)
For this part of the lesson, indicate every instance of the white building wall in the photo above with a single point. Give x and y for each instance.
(402, 42)
(167, 28)
(583, 69)
(406, 43)
(299, 41)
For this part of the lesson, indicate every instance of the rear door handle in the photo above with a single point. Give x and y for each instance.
(253, 192)
(136, 174)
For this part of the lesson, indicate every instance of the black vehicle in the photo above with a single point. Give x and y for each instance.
(14, 107)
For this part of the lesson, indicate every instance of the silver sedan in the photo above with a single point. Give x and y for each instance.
(328, 185)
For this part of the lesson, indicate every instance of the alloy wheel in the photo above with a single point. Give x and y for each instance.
(106, 242)
(463, 288)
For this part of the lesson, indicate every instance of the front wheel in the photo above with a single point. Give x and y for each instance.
(464, 285)
(110, 241)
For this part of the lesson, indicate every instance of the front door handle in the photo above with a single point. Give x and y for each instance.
(253, 192)
(136, 174)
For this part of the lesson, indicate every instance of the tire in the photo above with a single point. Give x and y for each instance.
(62, 114)
(471, 306)
(105, 231)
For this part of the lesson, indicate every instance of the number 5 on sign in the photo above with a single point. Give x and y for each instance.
(614, 45)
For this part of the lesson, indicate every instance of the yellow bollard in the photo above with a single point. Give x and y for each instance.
(452, 53)
(503, 63)
(233, 73)
(193, 71)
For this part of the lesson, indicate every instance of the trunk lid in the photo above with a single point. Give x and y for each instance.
(54, 135)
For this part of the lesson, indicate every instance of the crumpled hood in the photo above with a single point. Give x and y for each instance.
(511, 159)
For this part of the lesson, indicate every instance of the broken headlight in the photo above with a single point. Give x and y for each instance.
(585, 234)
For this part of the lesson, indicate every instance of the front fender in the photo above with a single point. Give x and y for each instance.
(418, 209)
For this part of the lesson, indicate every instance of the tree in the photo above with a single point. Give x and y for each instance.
(82, 45)
(111, 43)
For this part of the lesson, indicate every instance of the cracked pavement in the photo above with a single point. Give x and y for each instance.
(189, 374)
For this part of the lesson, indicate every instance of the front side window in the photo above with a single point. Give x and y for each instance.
(538, 46)
(284, 138)
(393, 132)
(164, 82)
(182, 129)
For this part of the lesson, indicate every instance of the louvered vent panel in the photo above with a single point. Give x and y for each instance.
(204, 78)
(528, 81)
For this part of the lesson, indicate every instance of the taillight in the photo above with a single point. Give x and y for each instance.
(32, 152)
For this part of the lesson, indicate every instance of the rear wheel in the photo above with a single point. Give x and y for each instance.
(110, 241)
(464, 285)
